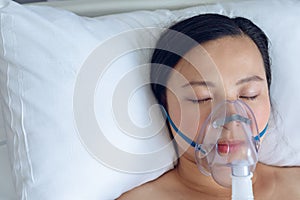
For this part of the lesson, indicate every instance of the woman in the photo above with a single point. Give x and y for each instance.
(212, 58)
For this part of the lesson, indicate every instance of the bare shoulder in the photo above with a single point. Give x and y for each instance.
(156, 189)
(278, 182)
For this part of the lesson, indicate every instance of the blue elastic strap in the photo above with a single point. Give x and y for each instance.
(187, 139)
(257, 138)
(193, 143)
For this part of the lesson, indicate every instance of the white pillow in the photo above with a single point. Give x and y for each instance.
(42, 52)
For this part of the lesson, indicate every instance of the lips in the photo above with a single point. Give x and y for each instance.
(225, 147)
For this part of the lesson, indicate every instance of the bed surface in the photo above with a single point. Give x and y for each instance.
(94, 8)
(7, 191)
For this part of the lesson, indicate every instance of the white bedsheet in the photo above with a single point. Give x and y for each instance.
(7, 191)
(94, 8)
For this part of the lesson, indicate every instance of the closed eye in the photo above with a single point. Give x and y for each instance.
(249, 97)
(199, 101)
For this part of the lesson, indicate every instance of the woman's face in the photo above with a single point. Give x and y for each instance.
(228, 68)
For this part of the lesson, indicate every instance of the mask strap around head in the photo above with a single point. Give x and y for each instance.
(182, 135)
(261, 134)
(196, 145)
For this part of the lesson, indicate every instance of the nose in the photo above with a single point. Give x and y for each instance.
(231, 129)
(230, 120)
(226, 114)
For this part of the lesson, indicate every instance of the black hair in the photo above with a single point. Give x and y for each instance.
(200, 29)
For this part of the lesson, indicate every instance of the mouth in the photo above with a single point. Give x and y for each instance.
(225, 147)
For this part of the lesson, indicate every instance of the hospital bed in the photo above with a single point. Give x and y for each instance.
(89, 8)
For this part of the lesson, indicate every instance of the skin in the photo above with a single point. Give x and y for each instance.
(232, 68)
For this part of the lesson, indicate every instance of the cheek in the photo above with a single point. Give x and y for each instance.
(189, 123)
(188, 118)
(262, 113)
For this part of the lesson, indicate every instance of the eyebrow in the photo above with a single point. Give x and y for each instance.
(200, 83)
(249, 79)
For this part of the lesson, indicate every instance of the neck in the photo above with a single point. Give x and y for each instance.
(192, 178)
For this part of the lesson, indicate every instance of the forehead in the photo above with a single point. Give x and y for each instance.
(228, 58)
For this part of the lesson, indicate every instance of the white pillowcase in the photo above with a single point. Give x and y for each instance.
(42, 52)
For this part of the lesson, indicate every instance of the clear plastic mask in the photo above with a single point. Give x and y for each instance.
(228, 140)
